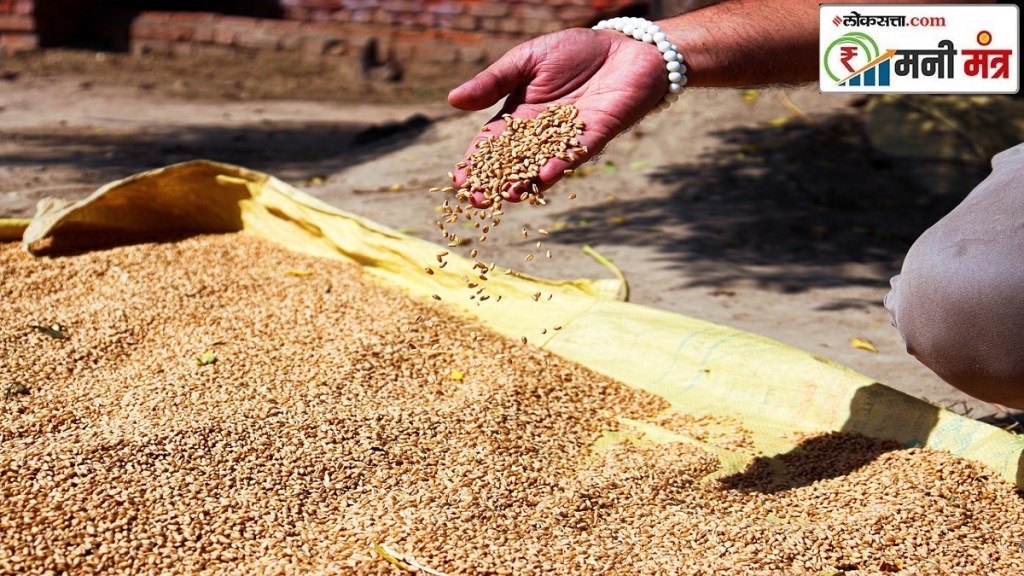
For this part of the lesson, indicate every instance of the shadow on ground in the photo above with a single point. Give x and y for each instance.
(295, 151)
(833, 201)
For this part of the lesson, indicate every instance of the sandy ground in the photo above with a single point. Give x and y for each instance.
(781, 212)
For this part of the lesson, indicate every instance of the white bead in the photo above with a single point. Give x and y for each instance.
(646, 39)
(627, 29)
(638, 33)
(663, 105)
(660, 36)
(683, 81)
(674, 49)
(669, 56)
(682, 68)
(664, 46)
(675, 87)
(673, 66)
(671, 97)
(619, 25)
(674, 76)
(654, 29)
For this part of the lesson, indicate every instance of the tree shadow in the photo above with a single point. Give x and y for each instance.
(793, 207)
(289, 150)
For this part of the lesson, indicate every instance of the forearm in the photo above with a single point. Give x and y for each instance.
(754, 42)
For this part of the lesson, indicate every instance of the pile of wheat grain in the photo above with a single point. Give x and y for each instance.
(221, 405)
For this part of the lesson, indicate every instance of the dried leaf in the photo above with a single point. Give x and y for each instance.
(863, 344)
(15, 389)
(55, 331)
(402, 560)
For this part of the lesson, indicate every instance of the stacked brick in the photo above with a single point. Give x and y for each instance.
(520, 18)
(182, 32)
(438, 30)
(17, 26)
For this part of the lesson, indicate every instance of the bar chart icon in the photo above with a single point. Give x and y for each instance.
(877, 75)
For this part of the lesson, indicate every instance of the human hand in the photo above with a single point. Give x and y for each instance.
(612, 79)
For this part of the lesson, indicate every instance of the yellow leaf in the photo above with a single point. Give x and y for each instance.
(749, 96)
(863, 345)
(778, 122)
(456, 374)
(298, 272)
(396, 187)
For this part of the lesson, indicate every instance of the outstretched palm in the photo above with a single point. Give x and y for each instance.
(613, 81)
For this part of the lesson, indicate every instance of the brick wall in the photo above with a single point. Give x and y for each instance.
(437, 30)
(473, 31)
(17, 26)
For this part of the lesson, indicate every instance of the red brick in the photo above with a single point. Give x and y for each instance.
(489, 9)
(383, 17)
(577, 14)
(459, 37)
(537, 12)
(291, 41)
(224, 35)
(282, 25)
(402, 5)
(192, 17)
(413, 36)
(464, 22)
(16, 23)
(204, 33)
(14, 43)
(513, 25)
(417, 20)
(166, 33)
(257, 38)
(490, 24)
(445, 8)
(238, 21)
(322, 27)
(537, 27)
(360, 4)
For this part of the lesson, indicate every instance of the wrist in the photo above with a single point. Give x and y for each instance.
(648, 32)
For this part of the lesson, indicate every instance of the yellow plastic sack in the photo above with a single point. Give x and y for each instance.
(776, 391)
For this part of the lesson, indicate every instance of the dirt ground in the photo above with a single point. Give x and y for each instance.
(780, 212)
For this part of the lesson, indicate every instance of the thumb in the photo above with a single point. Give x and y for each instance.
(511, 71)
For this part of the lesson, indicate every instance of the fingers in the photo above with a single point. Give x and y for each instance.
(510, 72)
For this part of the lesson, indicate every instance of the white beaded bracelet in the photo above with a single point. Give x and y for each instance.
(649, 32)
